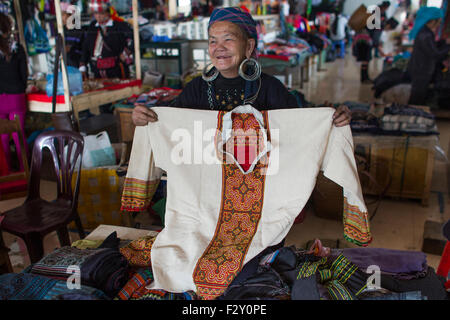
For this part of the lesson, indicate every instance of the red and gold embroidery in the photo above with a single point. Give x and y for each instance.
(241, 207)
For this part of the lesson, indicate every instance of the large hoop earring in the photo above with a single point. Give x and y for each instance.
(256, 69)
(206, 74)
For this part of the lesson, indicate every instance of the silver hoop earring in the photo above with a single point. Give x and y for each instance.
(256, 69)
(206, 74)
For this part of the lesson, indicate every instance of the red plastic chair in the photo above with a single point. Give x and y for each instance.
(444, 265)
(38, 217)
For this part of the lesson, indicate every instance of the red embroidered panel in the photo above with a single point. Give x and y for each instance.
(241, 207)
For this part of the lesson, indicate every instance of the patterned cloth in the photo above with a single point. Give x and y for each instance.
(403, 118)
(237, 16)
(26, 286)
(138, 251)
(136, 289)
(99, 5)
(342, 279)
(219, 216)
(105, 268)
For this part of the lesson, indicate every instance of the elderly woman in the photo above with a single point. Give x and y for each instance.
(235, 77)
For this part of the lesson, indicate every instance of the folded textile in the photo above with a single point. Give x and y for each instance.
(138, 252)
(431, 286)
(342, 279)
(26, 286)
(410, 295)
(389, 260)
(136, 285)
(291, 274)
(103, 268)
(404, 118)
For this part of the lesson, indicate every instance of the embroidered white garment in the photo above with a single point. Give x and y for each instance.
(221, 215)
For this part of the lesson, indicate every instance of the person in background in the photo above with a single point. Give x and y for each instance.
(13, 83)
(338, 33)
(426, 53)
(376, 33)
(108, 44)
(362, 50)
(73, 37)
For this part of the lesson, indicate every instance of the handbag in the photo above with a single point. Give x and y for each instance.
(106, 63)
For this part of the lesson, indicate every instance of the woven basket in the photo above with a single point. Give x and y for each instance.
(358, 20)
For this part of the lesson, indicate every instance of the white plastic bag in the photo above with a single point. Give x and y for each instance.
(98, 151)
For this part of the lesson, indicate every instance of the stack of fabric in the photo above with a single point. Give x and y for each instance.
(404, 274)
(27, 286)
(363, 120)
(399, 119)
(101, 273)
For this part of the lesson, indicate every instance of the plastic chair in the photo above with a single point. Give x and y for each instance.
(13, 184)
(38, 217)
(444, 265)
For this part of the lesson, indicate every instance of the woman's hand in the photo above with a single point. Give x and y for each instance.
(142, 115)
(342, 116)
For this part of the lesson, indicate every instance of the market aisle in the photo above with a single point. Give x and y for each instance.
(398, 224)
(340, 82)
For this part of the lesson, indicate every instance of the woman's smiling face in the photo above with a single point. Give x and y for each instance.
(228, 47)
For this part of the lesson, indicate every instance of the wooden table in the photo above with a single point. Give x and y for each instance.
(89, 100)
(406, 161)
(124, 233)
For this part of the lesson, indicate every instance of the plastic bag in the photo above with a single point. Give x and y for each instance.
(98, 151)
(36, 38)
(75, 83)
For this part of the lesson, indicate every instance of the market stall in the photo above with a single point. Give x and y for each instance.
(96, 92)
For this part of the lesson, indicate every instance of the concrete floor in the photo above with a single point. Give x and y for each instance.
(399, 224)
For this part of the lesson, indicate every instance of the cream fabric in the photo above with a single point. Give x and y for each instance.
(303, 141)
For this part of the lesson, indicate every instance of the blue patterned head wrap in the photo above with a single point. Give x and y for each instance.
(424, 15)
(237, 16)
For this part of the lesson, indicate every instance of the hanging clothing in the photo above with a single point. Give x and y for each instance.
(219, 215)
(107, 49)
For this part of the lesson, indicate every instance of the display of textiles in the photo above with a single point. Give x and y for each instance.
(136, 289)
(362, 119)
(397, 263)
(288, 273)
(27, 286)
(398, 119)
(155, 97)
